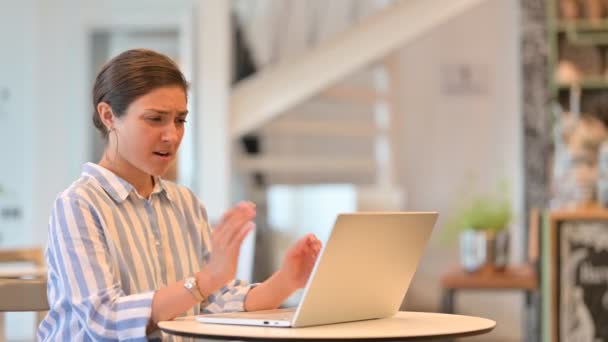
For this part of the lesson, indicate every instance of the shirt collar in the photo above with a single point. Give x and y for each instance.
(118, 188)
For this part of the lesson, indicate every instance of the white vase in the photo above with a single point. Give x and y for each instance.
(483, 248)
(472, 249)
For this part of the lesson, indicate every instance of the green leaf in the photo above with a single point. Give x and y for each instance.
(483, 212)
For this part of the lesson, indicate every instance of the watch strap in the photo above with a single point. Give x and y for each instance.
(191, 284)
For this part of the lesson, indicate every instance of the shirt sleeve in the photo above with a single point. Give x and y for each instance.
(82, 276)
(230, 298)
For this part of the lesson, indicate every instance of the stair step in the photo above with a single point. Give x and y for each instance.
(355, 94)
(307, 165)
(314, 128)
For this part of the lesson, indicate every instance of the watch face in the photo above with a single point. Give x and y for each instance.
(190, 283)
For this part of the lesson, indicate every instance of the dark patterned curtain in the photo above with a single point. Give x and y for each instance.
(536, 121)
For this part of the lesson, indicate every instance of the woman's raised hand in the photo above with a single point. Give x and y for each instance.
(299, 261)
(226, 240)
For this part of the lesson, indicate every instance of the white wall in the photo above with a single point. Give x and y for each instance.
(16, 80)
(60, 116)
(447, 137)
(17, 57)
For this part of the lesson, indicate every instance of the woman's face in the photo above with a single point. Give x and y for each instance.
(148, 135)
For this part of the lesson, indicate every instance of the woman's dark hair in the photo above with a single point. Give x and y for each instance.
(130, 75)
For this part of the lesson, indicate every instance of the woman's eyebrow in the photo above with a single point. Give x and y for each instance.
(165, 112)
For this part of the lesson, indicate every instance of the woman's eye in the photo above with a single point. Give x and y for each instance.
(181, 121)
(155, 119)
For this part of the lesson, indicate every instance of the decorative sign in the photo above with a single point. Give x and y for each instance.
(583, 281)
(464, 79)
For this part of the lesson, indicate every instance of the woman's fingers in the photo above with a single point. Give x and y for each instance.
(313, 248)
(226, 217)
(309, 244)
(238, 217)
(313, 243)
(226, 240)
(235, 211)
(230, 233)
(241, 235)
(245, 216)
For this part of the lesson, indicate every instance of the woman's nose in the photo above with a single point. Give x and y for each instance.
(170, 132)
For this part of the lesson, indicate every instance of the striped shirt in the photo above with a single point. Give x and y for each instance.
(109, 249)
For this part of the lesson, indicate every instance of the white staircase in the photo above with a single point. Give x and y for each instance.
(332, 113)
(273, 91)
(327, 139)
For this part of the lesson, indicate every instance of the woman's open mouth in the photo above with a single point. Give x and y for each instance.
(163, 154)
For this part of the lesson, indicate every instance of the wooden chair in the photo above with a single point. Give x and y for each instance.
(30, 255)
(23, 288)
(23, 295)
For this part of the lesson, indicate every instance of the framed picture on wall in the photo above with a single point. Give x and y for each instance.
(580, 277)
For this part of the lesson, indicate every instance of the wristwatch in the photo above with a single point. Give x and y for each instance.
(191, 285)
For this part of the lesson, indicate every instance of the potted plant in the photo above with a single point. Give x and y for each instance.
(481, 225)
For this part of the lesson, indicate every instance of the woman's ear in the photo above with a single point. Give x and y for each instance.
(106, 115)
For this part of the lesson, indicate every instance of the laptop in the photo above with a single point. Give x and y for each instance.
(363, 272)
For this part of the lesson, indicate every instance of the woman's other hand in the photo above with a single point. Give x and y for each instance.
(299, 261)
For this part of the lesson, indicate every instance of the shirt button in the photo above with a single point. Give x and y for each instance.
(158, 243)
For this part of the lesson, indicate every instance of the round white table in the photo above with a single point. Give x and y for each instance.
(403, 326)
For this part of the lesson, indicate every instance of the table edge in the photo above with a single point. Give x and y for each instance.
(388, 338)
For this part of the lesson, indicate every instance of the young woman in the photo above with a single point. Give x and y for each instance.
(128, 249)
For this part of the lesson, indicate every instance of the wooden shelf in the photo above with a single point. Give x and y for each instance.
(593, 83)
(588, 212)
(582, 25)
(514, 277)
